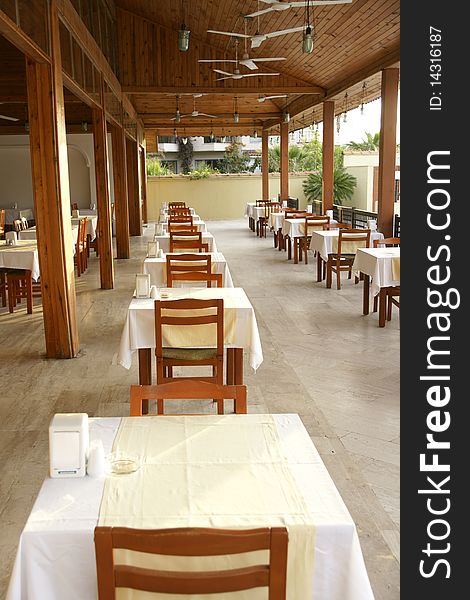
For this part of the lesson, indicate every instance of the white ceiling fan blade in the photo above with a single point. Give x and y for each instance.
(320, 2)
(268, 59)
(222, 78)
(258, 13)
(8, 118)
(222, 72)
(283, 32)
(257, 40)
(259, 74)
(248, 62)
(206, 115)
(230, 33)
(270, 1)
(213, 60)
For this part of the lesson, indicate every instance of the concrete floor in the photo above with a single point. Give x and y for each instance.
(322, 359)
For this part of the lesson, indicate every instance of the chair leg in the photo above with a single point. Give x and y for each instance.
(338, 277)
(220, 406)
(389, 308)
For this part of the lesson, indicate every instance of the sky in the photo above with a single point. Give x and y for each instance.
(357, 125)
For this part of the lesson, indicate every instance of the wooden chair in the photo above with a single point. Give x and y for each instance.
(181, 227)
(263, 221)
(176, 205)
(81, 257)
(195, 276)
(19, 284)
(175, 313)
(186, 263)
(191, 541)
(3, 286)
(20, 224)
(180, 211)
(392, 292)
(342, 260)
(285, 241)
(187, 240)
(185, 390)
(314, 223)
(2, 223)
(338, 226)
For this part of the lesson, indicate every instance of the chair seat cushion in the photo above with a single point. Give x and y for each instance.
(189, 353)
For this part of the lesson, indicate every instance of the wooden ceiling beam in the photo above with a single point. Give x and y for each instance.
(10, 30)
(229, 115)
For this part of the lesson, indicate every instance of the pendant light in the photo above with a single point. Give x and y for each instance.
(345, 107)
(363, 97)
(177, 114)
(338, 123)
(183, 33)
(212, 136)
(285, 114)
(236, 116)
(307, 39)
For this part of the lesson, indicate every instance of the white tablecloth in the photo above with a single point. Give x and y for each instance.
(249, 209)
(164, 216)
(22, 256)
(275, 220)
(139, 328)
(56, 560)
(90, 226)
(207, 238)
(30, 234)
(322, 241)
(157, 269)
(377, 263)
(201, 226)
(166, 211)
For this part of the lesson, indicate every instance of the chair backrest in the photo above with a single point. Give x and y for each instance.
(186, 263)
(188, 219)
(2, 221)
(187, 240)
(315, 223)
(272, 207)
(180, 211)
(17, 225)
(82, 234)
(349, 240)
(261, 202)
(181, 227)
(176, 205)
(338, 226)
(290, 213)
(198, 276)
(191, 542)
(392, 241)
(186, 389)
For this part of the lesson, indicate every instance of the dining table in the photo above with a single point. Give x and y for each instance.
(240, 330)
(164, 240)
(324, 243)
(91, 225)
(165, 216)
(217, 471)
(31, 234)
(166, 211)
(156, 267)
(198, 223)
(24, 255)
(381, 270)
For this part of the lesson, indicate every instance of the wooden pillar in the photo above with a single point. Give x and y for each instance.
(132, 163)
(265, 163)
(104, 231)
(388, 150)
(284, 161)
(121, 208)
(328, 154)
(143, 183)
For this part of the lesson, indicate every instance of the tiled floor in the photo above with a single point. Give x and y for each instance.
(322, 359)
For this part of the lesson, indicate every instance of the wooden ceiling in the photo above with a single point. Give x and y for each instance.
(353, 42)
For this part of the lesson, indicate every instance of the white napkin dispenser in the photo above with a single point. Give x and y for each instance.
(68, 444)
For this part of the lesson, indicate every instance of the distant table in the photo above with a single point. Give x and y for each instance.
(30, 234)
(381, 267)
(139, 329)
(22, 256)
(90, 226)
(164, 241)
(322, 243)
(165, 215)
(156, 267)
(56, 558)
(11, 214)
(200, 225)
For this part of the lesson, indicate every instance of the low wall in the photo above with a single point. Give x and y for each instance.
(218, 196)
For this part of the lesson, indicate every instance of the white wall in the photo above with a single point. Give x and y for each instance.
(15, 170)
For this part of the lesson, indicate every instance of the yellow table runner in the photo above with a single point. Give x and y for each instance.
(396, 268)
(347, 246)
(209, 471)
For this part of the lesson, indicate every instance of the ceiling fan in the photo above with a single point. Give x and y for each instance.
(264, 98)
(276, 5)
(5, 117)
(178, 116)
(258, 38)
(245, 61)
(236, 72)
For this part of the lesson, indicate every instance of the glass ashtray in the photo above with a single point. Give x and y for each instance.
(123, 466)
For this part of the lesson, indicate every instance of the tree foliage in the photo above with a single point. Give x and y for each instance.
(344, 185)
(235, 160)
(185, 154)
(155, 167)
(306, 157)
(370, 143)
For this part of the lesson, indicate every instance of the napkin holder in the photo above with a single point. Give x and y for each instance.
(329, 213)
(68, 445)
(142, 285)
(152, 249)
(75, 214)
(372, 224)
(11, 238)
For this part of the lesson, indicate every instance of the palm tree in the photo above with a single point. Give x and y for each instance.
(371, 142)
(343, 186)
(297, 156)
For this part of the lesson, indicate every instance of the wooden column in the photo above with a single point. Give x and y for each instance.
(50, 178)
(265, 163)
(121, 208)
(284, 161)
(328, 154)
(388, 150)
(143, 183)
(132, 163)
(104, 231)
